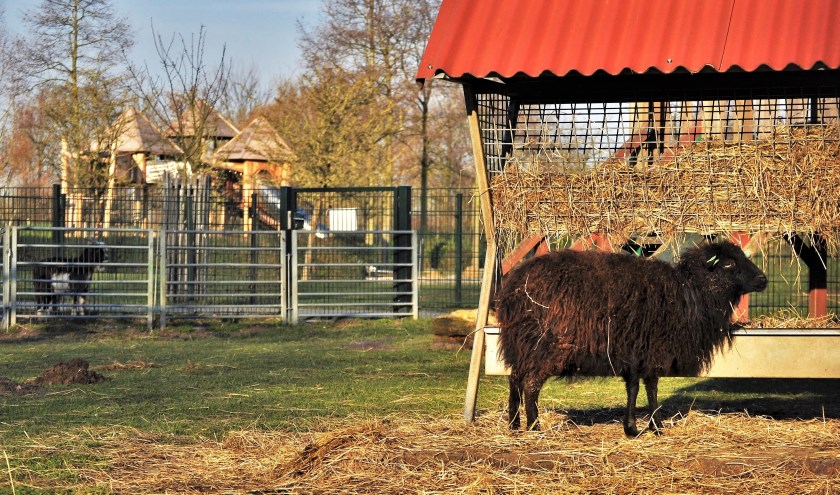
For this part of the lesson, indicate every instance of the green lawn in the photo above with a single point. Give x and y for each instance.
(202, 381)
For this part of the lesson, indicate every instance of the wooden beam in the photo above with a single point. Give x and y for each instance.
(600, 241)
(471, 397)
(489, 275)
(521, 250)
(482, 178)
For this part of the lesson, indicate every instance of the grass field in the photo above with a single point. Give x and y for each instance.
(266, 408)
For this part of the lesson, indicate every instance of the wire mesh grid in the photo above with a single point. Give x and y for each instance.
(650, 170)
(223, 274)
(91, 273)
(354, 274)
(451, 247)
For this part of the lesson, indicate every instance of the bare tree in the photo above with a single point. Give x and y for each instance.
(246, 93)
(73, 52)
(183, 92)
(387, 37)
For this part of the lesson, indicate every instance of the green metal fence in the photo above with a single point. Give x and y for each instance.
(450, 245)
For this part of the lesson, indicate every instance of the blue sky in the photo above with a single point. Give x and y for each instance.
(262, 33)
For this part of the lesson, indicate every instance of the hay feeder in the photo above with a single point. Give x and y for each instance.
(644, 126)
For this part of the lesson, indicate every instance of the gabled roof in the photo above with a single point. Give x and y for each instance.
(210, 122)
(504, 38)
(135, 133)
(258, 141)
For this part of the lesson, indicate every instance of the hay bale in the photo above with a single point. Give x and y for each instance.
(455, 330)
(785, 182)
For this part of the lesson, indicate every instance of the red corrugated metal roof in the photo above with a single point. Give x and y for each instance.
(504, 38)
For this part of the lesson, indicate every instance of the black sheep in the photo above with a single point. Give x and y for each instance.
(57, 277)
(592, 313)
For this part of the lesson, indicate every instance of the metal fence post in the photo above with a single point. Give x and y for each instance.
(459, 246)
(293, 264)
(57, 220)
(402, 257)
(415, 279)
(288, 208)
(284, 280)
(150, 287)
(254, 243)
(6, 258)
(191, 237)
(12, 260)
(162, 274)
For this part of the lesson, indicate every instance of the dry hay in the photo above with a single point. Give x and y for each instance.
(790, 318)
(699, 453)
(783, 183)
(134, 364)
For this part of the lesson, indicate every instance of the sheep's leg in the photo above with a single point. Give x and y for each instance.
(631, 384)
(514, 400)
(652, 389)
(533, 385)
(80, 305)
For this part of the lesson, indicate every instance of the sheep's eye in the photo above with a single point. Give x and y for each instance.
(728, 265)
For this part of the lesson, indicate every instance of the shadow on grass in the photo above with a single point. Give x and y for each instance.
(775, 398)
(76, 329)
(789, 398)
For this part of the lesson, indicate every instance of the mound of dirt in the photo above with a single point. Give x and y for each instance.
(74, 371)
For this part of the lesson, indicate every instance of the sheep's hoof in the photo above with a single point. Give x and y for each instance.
(535, 426)
(631, 431)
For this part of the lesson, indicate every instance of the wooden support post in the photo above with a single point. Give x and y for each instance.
(471, 398)
(487, 281)
(600, 241)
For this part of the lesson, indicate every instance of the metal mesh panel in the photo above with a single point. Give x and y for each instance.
(224, 274)
(570, 168)
(119, 281)
(354, 274)
(451, 248)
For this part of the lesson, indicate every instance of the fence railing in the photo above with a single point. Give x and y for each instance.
(368, 273)
(51, 273)
(222, 274)
(92, 273)
(450, 237)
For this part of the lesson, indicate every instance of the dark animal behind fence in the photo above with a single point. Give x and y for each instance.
(58, 277)
(590, 313)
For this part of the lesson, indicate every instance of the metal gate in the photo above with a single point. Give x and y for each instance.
(69, 272)
(222, 274)
(354, 274)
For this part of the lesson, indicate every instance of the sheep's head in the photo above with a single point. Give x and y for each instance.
(96, 252)
(727, 266)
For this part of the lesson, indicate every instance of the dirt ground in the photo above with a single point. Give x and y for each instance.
(71, 372)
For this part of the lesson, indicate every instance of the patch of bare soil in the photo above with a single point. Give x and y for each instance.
(11, 387)
(74, 371)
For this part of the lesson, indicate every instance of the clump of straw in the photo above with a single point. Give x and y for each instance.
(785, 182)
(699, 453)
